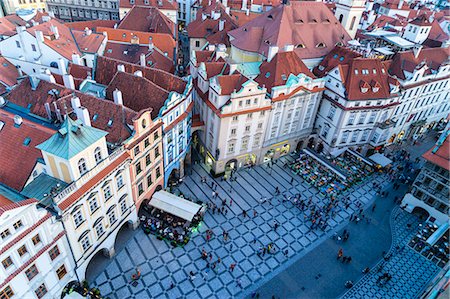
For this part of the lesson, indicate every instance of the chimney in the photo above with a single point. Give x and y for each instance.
(76, 59)
(117, 95)
(138, 73)
(75, 102)
(215, 14)
(47, 109)
(221, 24)
(142, 59)
(400, 4)
(247, 12)
(18, 120)
(87, 31)
(83, 115)
(34, 23)
(289, 48)
(244, 4)
(416, 50)
(273, 50)
(39, 36)
(20, 29)
(19, 70)
(203, 16)
(55, 31)
(47, 18)
(121, 68)
(68, 81)
(34, 81)
(62, 66)
(225, 3)
(227, 10)
(150, 44)
(211, 47)
(58, 112)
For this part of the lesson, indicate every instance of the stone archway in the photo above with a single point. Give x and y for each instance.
(299, 146)
(311, 142)
(173, 177)
(124, 234)
(320, 147)
(231, 165)
(98, 262)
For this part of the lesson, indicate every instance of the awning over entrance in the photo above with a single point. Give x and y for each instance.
(175, 205)
(380, 159)
(438, 234)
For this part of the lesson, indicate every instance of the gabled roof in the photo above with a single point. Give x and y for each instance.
(406, 61)
(437, 33)
(367, 73)
(162, 4)
(65, 45)
(138, 93)
(107, 67)
(88, 42)
(6, 27)
(92, 24)
(105, 115)
(421, 20)
(231, 83)
(18, 154)
(393, 4)
(71, 139)
(337, 56)
(277, 71)
(309, 26)
(78, 72)
(439, 154)
(8, 72)
(214, 68)
(147, 19)
(382, 21)
(203, 56)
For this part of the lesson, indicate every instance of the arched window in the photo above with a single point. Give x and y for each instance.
(98, 155)
(340, 18)
(82, 166)
(54, 64)
(352, 24)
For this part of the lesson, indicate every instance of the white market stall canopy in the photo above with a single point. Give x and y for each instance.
(380, 159)
(175, 205)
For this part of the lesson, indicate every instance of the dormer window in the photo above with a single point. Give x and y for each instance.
(320, 45)
(375, 89)
(364, 86)
(82, 166)
(301, 46)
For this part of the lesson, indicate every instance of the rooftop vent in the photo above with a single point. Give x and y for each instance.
(2, 124)
(17, 120)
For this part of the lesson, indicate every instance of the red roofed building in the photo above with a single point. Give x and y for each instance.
(310, 27)
(86, 11)
(392, 8)
(148, 19)
(167, 7)
(8, 75)
(357, 106)
(430, 191)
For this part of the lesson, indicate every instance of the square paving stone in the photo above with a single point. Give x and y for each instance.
(123, 292)
(118, 282)
(204, 291)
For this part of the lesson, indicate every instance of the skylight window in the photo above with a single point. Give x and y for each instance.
(335, 56)
(95, 117)
(341, 58)
(27, 141)
(110, 122)
(267, 74)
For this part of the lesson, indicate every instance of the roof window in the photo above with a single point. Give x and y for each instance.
(365, 71)
(267, 74)
(95, 117)
(270, 17)
(356, 72)
(27, 141)
(335, 56)
(320, 45)
(301, 46)
(341, 58)
(110, 122)
(2, 124)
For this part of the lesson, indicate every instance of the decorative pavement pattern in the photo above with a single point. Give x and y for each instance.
(161, 264)
(410, 270)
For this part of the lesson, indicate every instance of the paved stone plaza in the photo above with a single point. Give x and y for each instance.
(161, 264)
(410, 270)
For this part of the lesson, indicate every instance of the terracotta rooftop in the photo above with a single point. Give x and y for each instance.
(203, 56)
(148, 19)
(367, 73)
(92, 24)
(421, 20)
(78, 72)
(138, 93)
(309, 26)
(162, 41)
(105, 115)
(18, 154)
(88, 42)
(240, 17)
(107, 67)
(164, 4)
(277, 71)
(437, 34)
(8, 72)
(6, 27)
(406, 61)
(382, 21)
(339, 55)
(237, 4)
(231, 83)
(214, 68)
(65, 45)
(393, 4)
(440, 154)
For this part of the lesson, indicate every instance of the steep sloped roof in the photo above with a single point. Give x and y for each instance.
(339, 55)
(147, 19)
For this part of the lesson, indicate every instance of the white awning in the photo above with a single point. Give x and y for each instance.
(74, 295)
(174, 205)
(380, 159)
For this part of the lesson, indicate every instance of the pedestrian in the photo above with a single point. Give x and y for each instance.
(231, 202)
(219, 260)
(210, 256)
(292, 181)
(191, 275)
(244, 213)
(171, 285)
(226, 212)
(254, 213)
(286, 252)
(373, 207)
(239, 283)
(340, 253)
(349, 259)
(232, 266)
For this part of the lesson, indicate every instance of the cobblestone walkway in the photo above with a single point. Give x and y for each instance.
(410, 271)
(161, 264)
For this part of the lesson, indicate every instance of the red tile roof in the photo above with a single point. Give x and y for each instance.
(310, 26)
(131, 53)
(339, 55)
(4, 201)
(382, 21)
(165, 4)
(393, 4)
(421, 20)
(17, 160)
(65, 45)
(107, 67)
(231, 83)
(437, 33)
(214, 68)
(88, 43)
(240, 17)
(441, 156)
(138, 93)
(121, 116)
(368, 73)
(74, 197)
(17, 204)
(92, 24)
(7, 28)
(162, 41)
(276, 72)
(78, 72)
(148, 19)
(8, 72)
(406, 61)
(204, 56)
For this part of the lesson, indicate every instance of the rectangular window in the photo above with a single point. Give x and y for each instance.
(140, 189)
(107, 192)
(112, 217)
(41, 291)
(355, 136)
(146, 142)
(93, 205)
(231, 147)
(247, 128)
(158, 172)
(247, 102)
(61, 272)
(155, 135)
(7, 262)
(365, 135)
(149, 181)
(36, 240)
(362, 118)
(31, 272)
(18, 225)
(331, 112)
(99, 229)
(137, 150)
(325, 131)
(249, 116)
(156, 152)
(119, 182)
(6, 293)
(262, 113)
(85, 243)
(235, 118)
(240, 103)
(351, 118)
(244, 145)
(138, 168)
(233, 131)
(123, 206)
(372, 117)
(344, 137)
(147, 160)
(197, 44)
(18, 44)
(33, 47)
(78, 218)
(22, 250)
(260, 125)
(54, 252)
(6, 233)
